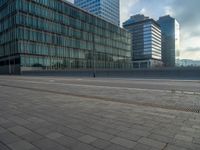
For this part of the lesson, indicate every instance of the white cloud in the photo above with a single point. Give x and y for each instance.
(195, 55)
(187, 13)
(126, 7)
(168, 11)
(143, 11)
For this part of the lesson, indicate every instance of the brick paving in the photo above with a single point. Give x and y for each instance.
(38, 120)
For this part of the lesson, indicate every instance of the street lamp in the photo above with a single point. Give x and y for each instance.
(94, 61)
(9, 65)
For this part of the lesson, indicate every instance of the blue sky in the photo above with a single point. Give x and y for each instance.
(185, 11)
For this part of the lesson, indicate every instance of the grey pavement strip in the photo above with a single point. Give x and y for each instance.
(186, 109)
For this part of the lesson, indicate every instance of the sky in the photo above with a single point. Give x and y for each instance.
(186, 12)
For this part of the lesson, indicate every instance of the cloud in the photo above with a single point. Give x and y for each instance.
(126, 7)
(194, 49)
(168, 11)
(143, 11)
(195, 33)
(195, 55)
(187, 13)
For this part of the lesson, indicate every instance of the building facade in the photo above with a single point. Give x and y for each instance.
(107, 9)
(170, 40)
(56, 35)
(146, 41)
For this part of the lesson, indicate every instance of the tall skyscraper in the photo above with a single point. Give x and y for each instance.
(107, 9)
(170, 40)
(146, 41)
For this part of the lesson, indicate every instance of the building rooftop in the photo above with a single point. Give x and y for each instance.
(139, 18)
(166, 17)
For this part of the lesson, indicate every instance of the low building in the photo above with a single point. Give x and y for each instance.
(56, 35)
(187, 63)
(146, 41)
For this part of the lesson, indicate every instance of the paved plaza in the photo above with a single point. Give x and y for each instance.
(57, 113)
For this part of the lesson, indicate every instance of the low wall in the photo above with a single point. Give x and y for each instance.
(170, 73)
(14, 69)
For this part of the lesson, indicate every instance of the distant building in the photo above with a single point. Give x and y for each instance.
(107, 9)
(170, 40)
(188, 63)
(56, 35)
(146, 41)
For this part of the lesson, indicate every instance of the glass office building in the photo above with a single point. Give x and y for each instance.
(146, 41)
(107, 9)
(170, 40)
(56, 35)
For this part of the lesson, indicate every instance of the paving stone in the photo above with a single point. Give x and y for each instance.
(189, 134)
(141, 147)
(32, 126)
(9, 124)
(183, 138)
(196, 141)
(160, 138)
(31, 137)
(47, 144)
(152, 143)
(18, 120)
(98, 134)
(66, 141)
(44, 131)
(196, 127)
(54, 135)
(4, 146)
(163, 132)
(139, 132)
(72, 133)
(82, 146)
(188, 129)
(19, 130)
(140, 126)
(2, 130)
(36, 120)
(87, 139)
(123, 142)
(8, 137)
(2, 120)
(35, 148)
(21, 145)
(116, 147)
(186, 145)
(172, 147)
(101, 144)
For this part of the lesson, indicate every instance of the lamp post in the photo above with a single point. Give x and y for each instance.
(94, 61)
(9, 65)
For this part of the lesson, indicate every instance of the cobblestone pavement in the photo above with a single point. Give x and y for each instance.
(51, 114)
